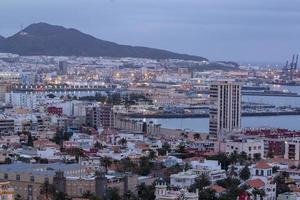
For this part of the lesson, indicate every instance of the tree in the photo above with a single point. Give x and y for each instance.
(146, 192)
(196, 136)
(245, 173)
(7, 160)
(77, 152)
(233, 157)
(18, 197)
(231, 172)
(98, 145)
(87, 194)
(242, 158)
(164, 149)
(258, 192)
(122, 142)
(113, 194)
(152, 155)
(145, 166)
(29, 140)
(187, 166)
(106, 162)
(61, 196)
(222, 158)
(256, 156)
(48, 190)
(90, 196)
(201, 182)
(281, 185)
(130, 196)
(126, 165)
(207, 194)
(275, 169)
(51, 96)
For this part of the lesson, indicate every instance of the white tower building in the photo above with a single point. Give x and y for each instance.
(225, 109)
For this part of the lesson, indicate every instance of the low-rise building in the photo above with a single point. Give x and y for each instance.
(183, 179)
(7, 192)
(162, 193)
(292, 149)
(252, 147)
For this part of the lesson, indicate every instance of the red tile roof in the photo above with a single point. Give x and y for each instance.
(218, 189)
(256, 183)
(262, 165)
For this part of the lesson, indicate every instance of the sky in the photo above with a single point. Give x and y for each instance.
(232, 30)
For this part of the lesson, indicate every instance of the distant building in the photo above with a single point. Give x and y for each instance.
(62, 67)
(55, 110)
(163, 193)
(93, 116)
(4, 88)
(7, 125)
(262, 179)
(183, 179)
(107, 116)
(71, 179)
(292, 149)
(288, 196)
(6, 191)
(225, 109)
(252, 147)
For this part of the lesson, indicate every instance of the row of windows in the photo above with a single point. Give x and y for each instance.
(18, 178)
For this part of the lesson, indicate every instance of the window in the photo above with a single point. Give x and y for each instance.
(5, 176)
(18, 177)
(32, 178)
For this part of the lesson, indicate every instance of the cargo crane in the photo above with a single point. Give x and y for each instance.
(290, 69)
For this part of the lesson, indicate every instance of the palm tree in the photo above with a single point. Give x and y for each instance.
(196, 136)
(258, 192)
(130, 196)
(231, 172)
(87, 194)
(18, 197)
(48, 190)
(152, 155)
(106, 162)
(122, 142)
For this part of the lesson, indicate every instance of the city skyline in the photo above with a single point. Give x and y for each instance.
(253, 31)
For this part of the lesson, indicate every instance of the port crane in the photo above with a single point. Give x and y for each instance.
(290, 69)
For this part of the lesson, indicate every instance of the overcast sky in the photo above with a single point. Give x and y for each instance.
(238, 30)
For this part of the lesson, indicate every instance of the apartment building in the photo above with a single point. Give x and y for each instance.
(225, 109)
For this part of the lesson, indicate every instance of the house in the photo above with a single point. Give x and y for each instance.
(252, 147)
(211, 168)
(183, 179)
(162, 193)
(262, 179)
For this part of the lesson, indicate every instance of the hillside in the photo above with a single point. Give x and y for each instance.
(46, 39)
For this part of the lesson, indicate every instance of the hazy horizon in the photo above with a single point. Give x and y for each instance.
(233, 30)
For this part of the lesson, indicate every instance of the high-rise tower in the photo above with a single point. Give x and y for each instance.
(225, 109)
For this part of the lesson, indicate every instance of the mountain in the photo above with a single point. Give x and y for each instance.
(2, 38)
(51, 40)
